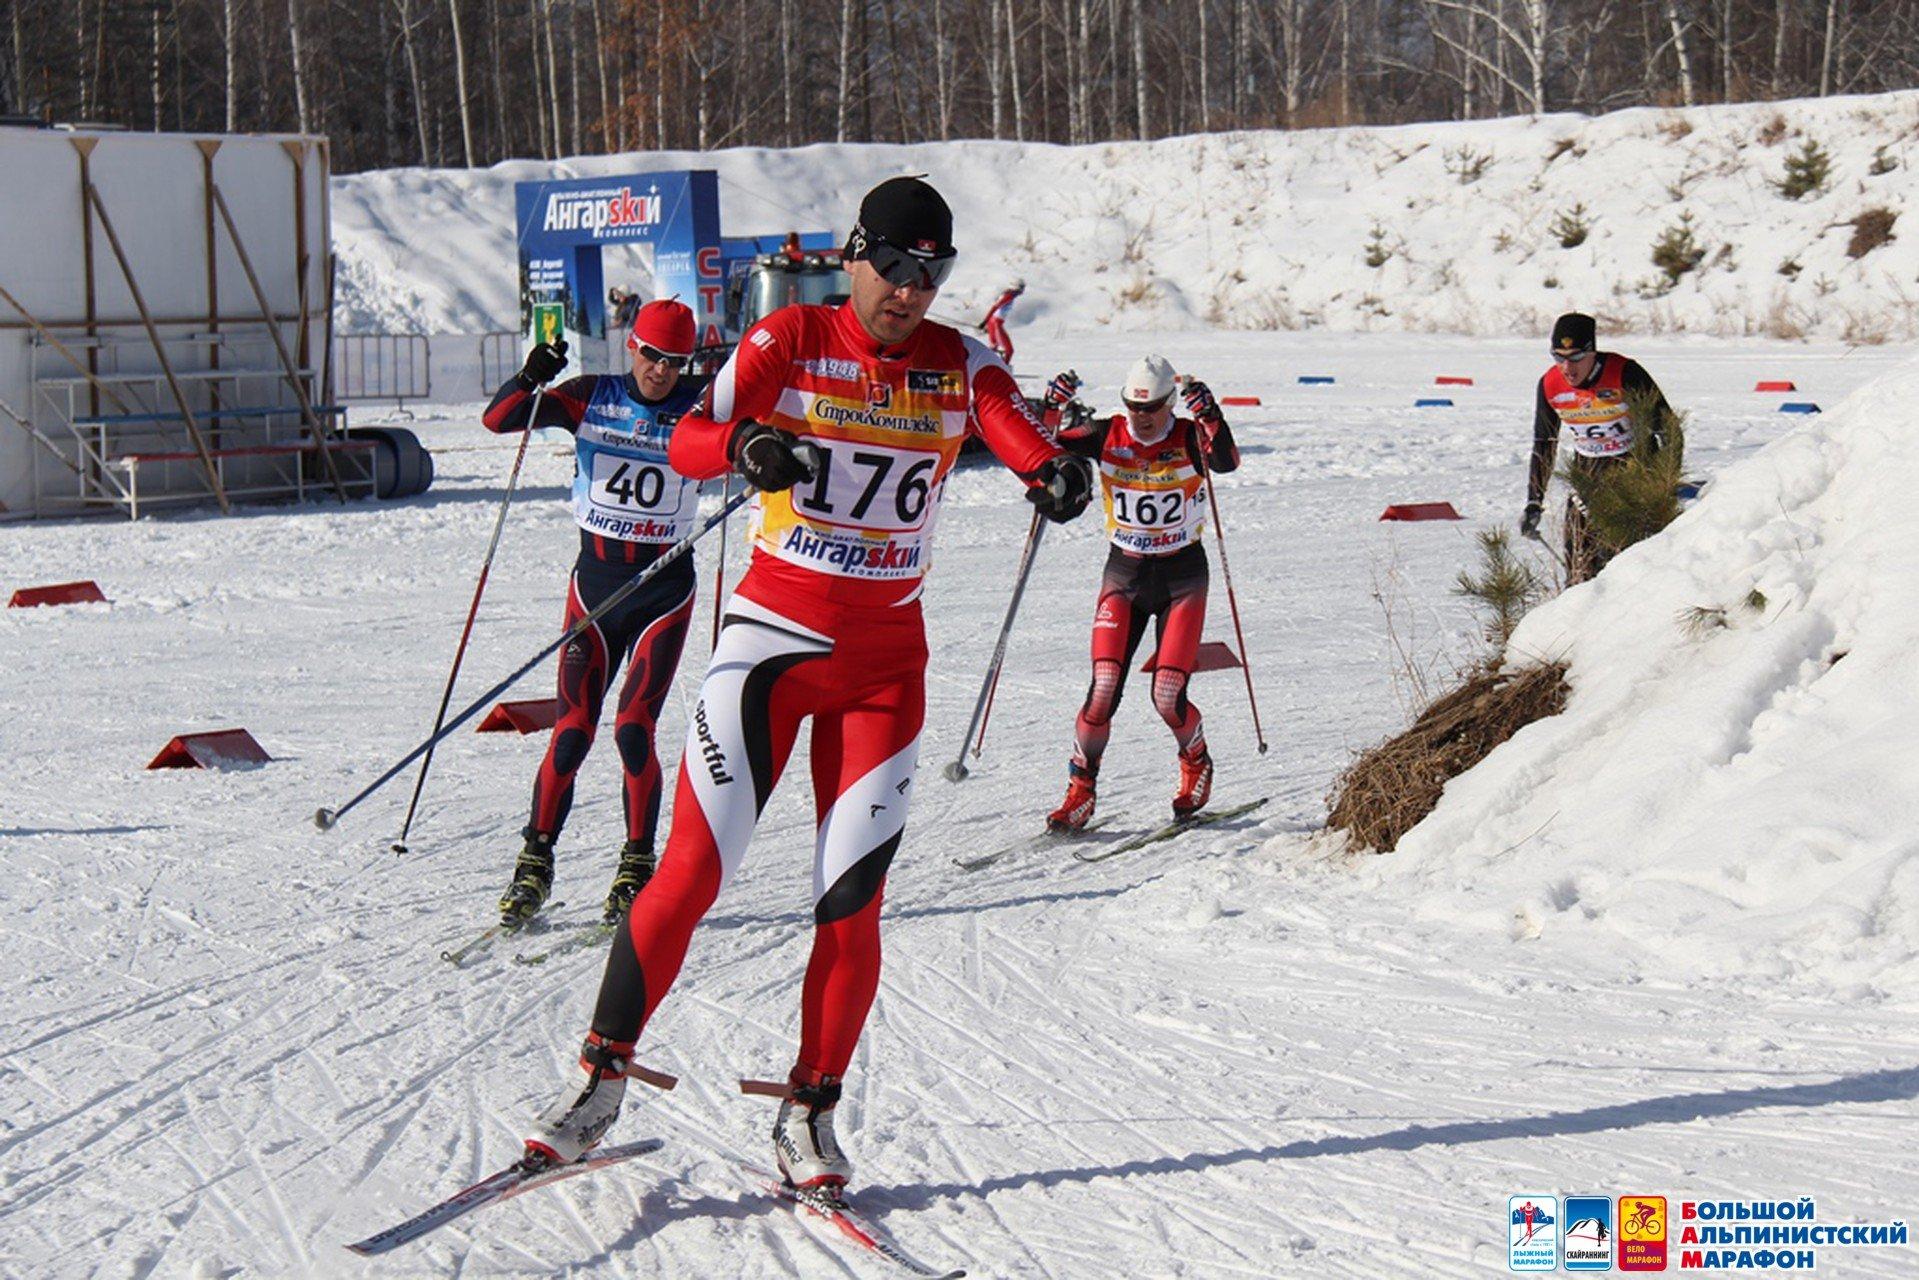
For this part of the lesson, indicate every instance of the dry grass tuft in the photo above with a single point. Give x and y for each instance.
(1870, 230)
(1389, 788)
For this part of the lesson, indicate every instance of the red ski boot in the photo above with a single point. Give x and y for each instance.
(1195, 781)
(1077, 808)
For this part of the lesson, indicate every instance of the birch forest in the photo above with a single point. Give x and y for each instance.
(470, 82)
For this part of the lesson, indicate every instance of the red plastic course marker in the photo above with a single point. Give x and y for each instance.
(87, 592)
(1775, 386)
(1448, 380)
(221, 749)
(1420, 511)
(1242, 400)
(521, 717)
(1214, 655)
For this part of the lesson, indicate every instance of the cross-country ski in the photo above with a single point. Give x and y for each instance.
(1177, 826)
(511, 1181)
(846, 1227)
(1030, 844)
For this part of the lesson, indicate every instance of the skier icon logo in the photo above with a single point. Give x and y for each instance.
(1532, 1233)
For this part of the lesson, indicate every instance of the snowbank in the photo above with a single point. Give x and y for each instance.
(1273, 230)
(1734, 792)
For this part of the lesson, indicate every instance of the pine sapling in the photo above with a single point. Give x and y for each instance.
(1630, 500)
(1677, 250)
(1503, 589)
(1571, 227)
(1807, 170)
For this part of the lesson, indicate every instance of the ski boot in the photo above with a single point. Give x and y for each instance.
(636, 868)
(532, 880)
(803, 1141)
(575, 1124)
(1077, 808)
(1195, 781)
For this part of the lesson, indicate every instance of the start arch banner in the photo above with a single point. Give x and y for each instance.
(673, 217)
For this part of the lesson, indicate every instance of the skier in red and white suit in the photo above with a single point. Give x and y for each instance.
(995, 322)
(847, 419)
(1154, 468)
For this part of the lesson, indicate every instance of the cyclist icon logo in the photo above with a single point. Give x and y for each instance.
(1642, 1233)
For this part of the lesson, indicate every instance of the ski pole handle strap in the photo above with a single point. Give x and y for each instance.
(766, 1088)
(646, 1075)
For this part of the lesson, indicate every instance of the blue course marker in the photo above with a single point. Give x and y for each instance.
(1315, 380)
(1432, 402)
(1799, 406)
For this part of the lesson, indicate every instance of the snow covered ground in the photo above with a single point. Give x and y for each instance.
(228, 1044)
(1273, 230)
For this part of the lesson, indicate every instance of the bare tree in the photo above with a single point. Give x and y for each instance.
(846, 69)
(298, 65)
(459, 80)
(1827, 48)
(1680, 51)
(1139, 72)
(1526, 36)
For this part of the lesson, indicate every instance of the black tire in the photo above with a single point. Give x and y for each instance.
(388, 463)
(426, 470)
(416, 468)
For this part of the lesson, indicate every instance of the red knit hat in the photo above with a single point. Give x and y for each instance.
(664, 325)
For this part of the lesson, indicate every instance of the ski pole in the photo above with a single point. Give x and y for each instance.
(1232, 600)
(957, 770)
(472, 611)
(957, 323)
(326, 818)
(719, 575)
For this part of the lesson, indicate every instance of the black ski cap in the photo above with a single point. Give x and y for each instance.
(908, 214)
(1574, 334)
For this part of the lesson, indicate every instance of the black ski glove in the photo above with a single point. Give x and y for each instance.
(769, 458)
(543, 364)
(1065, 487)
(1529, 523)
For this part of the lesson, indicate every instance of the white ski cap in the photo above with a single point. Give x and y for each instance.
(1149, 381)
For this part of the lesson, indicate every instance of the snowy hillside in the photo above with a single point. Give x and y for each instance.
(1273, 230)
(1733, 791)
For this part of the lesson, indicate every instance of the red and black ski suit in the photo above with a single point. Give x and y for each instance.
(1601, 418)
(825, 623)
(1155, 497)
(630, 508)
